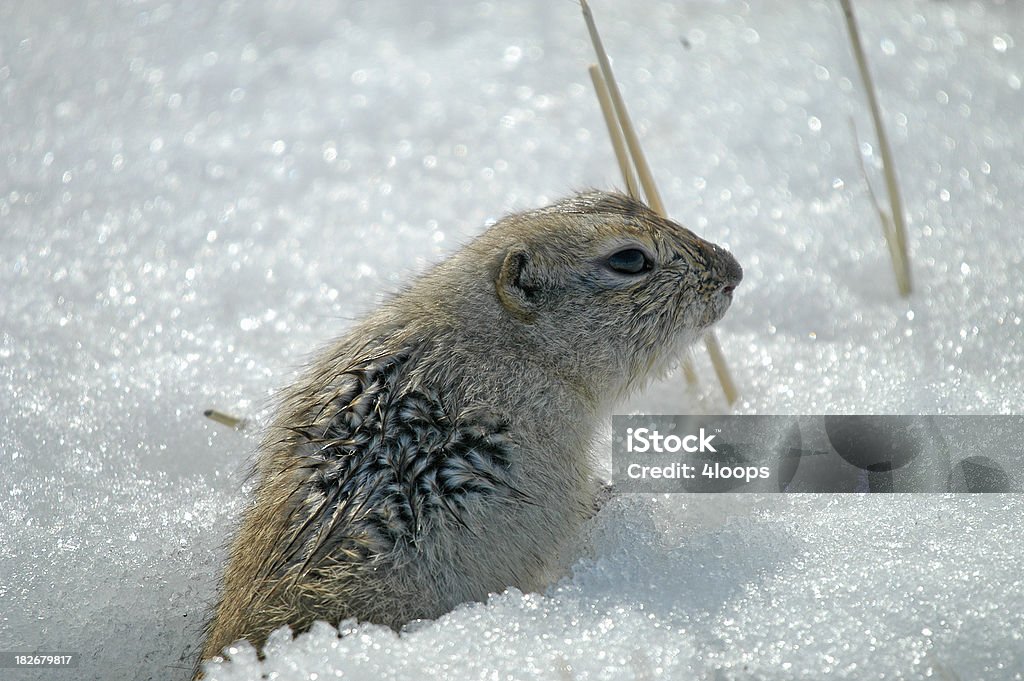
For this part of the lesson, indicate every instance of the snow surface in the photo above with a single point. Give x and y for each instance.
(194, 195)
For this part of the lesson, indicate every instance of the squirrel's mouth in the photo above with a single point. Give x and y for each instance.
(716, 307)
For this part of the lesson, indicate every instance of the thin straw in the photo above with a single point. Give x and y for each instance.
(651, 191)
(626, 166)
(901, 263)
(632, 141)
(224, 419)
(615, 132)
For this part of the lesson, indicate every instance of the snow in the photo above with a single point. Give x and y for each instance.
(194, 196)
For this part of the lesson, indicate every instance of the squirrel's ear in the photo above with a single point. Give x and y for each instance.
(517, 285)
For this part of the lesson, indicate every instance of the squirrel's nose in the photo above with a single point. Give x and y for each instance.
(726, 268)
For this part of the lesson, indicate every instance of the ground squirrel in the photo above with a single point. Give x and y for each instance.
(440, 451)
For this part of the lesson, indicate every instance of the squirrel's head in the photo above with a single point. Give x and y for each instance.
(606, 286)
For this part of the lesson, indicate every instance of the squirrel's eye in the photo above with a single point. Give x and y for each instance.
(629, 261)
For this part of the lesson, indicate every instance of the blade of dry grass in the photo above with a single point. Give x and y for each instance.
(632, 141)
(614, 132)
(626, 167)
(721, 368)
(901, 258)
(888, 229)
(625, 124)
(224, 419)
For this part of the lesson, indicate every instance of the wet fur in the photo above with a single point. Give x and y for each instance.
(439, 451)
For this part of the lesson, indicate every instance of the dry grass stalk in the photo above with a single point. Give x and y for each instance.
(893, 225)
(626, 167)
(632, 141)
(605, 82)
(615, 132)
(888, 229)
(225, 419)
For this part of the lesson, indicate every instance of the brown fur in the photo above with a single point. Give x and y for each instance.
(438, 452)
